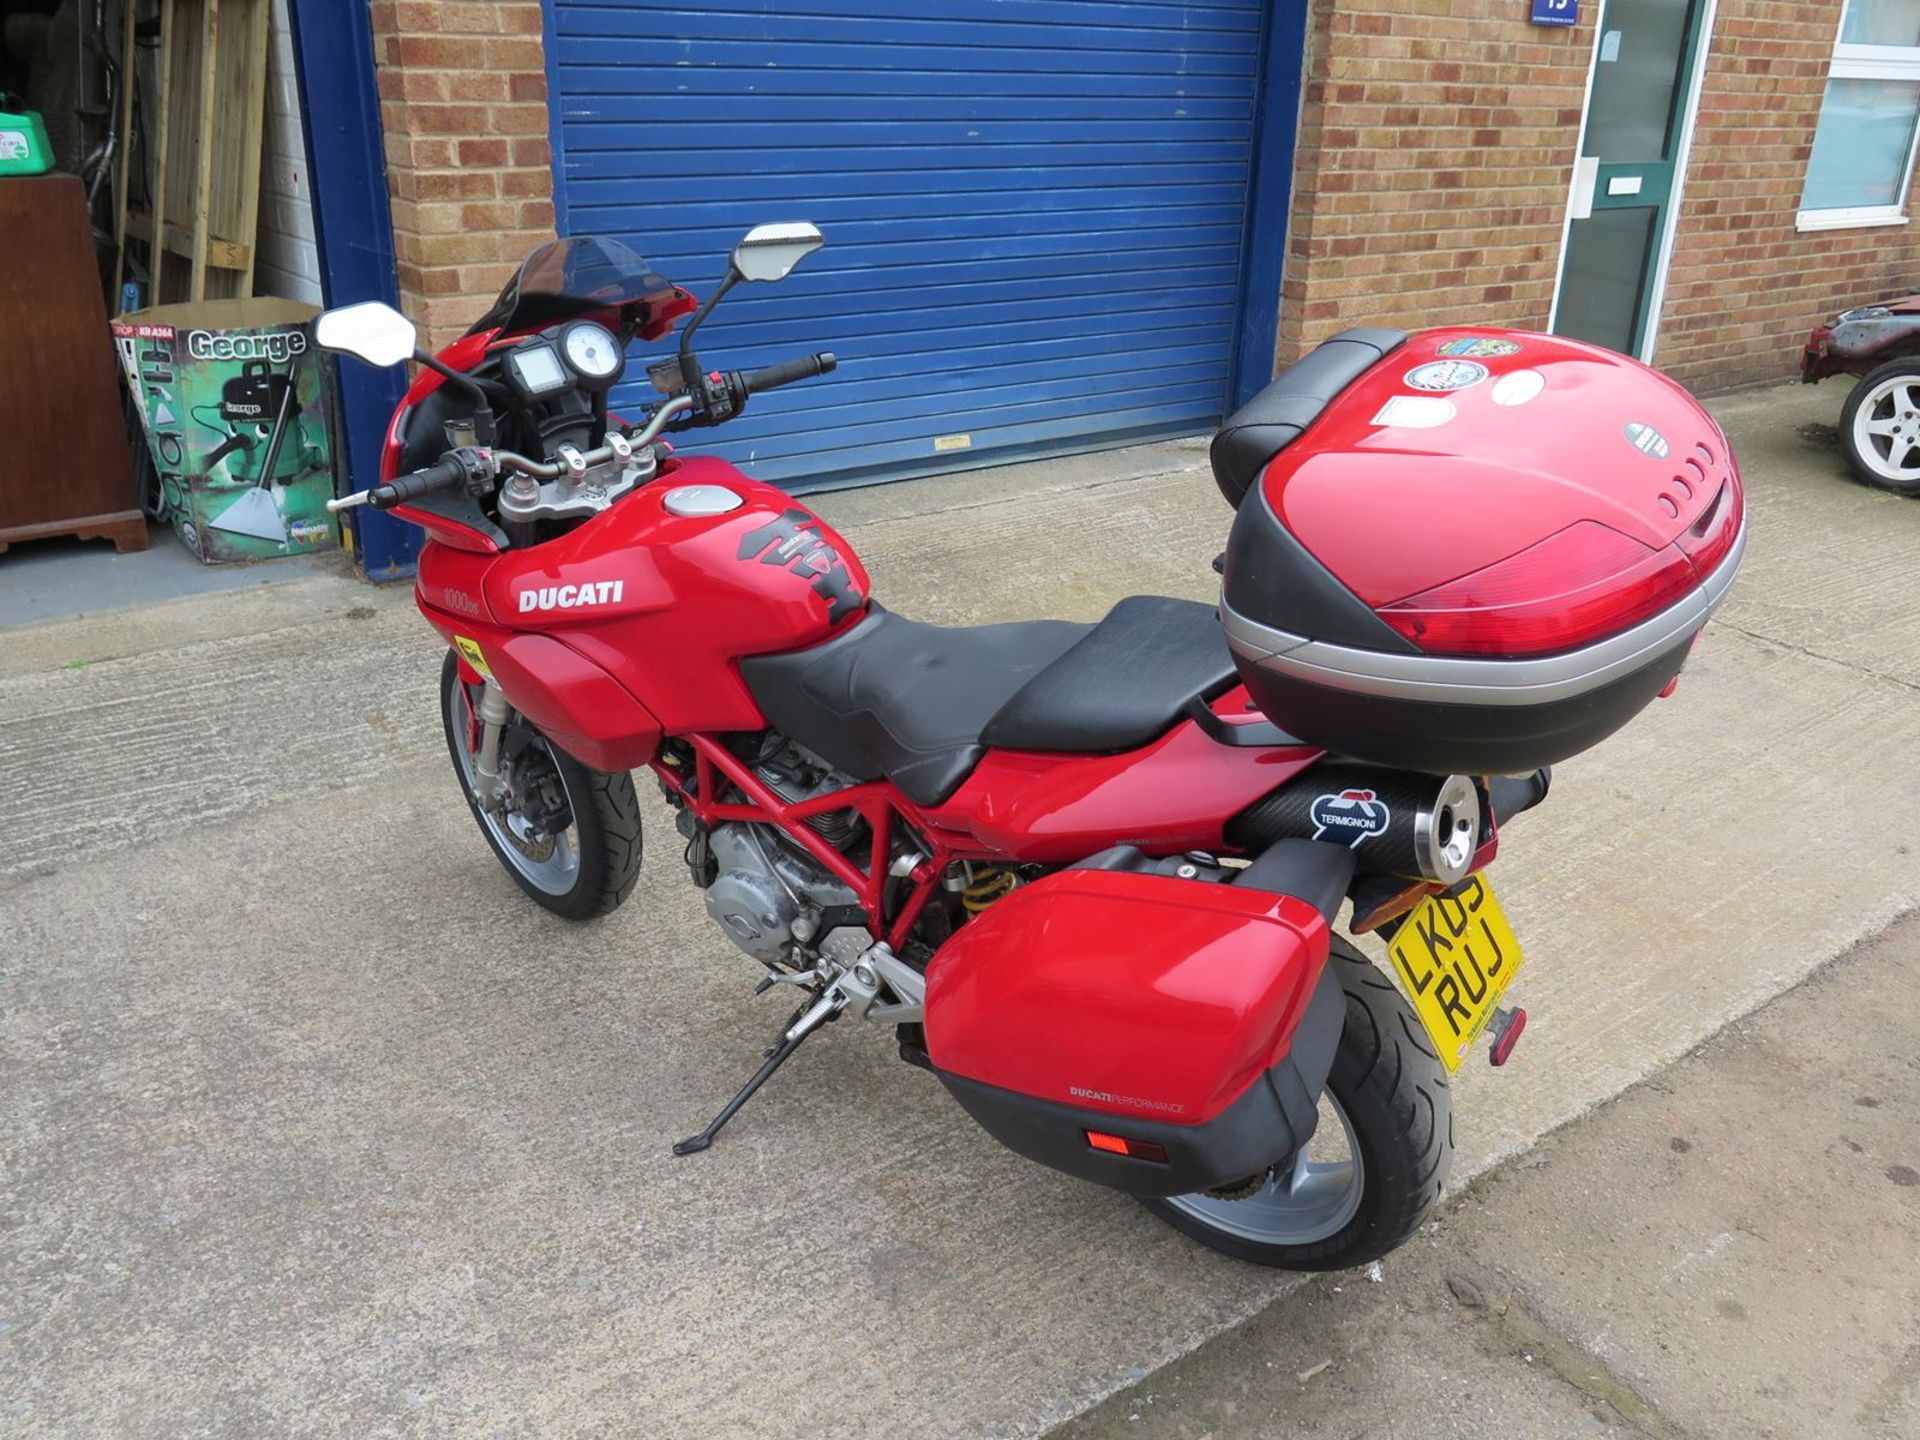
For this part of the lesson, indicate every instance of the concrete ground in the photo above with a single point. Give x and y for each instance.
(1730, 1249)
(42, 580)
(312, 1125)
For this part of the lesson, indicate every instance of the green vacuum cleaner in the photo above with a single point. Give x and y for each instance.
(256, 407)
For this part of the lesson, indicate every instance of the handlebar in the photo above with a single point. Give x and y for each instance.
(770, 377)
(460, 466)
(477, 466)
(447, 471)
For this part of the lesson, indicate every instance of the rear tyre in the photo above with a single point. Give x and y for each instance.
(1880, 427)
(1375, 1168)
(569, 836)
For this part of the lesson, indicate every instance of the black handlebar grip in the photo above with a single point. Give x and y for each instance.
(770, 377)
(446, 472)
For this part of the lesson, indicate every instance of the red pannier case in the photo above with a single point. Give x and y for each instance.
(1150, 1033)
(1470, 550)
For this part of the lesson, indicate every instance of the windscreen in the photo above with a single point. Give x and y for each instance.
(586, 275)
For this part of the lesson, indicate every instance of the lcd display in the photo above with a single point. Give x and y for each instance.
(538, 370)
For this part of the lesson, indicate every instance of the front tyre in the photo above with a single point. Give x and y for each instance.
(569, 836)
(1374, 1169)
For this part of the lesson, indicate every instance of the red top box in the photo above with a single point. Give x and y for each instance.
(1469, 549)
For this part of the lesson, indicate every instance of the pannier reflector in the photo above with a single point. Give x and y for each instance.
(1121, 1145)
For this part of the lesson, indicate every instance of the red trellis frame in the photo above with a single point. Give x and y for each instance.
(877, 802)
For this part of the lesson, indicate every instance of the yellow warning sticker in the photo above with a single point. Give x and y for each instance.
(943, 443)
(470, 650)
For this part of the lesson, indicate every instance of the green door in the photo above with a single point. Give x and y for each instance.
(1627, 177)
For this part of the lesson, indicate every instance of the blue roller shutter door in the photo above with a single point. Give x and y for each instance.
(1035, 209)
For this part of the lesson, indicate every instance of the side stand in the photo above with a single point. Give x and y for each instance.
(816, 1015)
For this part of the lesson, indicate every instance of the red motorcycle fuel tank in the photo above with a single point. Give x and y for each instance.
(1471, 550)
(661, 594)
(1154, 1034)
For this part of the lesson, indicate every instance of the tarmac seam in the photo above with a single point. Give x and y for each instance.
(1572, 1363)
(1813, 654)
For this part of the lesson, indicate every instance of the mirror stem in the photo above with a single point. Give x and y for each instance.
(450, 375)
(689, 362)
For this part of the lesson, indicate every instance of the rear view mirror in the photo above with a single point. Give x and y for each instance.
(769, 252)
(371, 331)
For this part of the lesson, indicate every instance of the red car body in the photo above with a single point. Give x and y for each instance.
(1855, 341)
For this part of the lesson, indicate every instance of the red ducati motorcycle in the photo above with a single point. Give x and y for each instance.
(1089, 874)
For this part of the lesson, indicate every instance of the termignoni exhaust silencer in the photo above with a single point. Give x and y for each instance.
(1394, 821)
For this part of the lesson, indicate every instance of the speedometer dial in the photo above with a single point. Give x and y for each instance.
(591, 351)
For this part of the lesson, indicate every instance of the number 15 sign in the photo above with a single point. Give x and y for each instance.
(1555, 12)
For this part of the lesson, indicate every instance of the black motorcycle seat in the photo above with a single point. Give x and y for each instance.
(919, 704)
(1122, 684)
(1273, 419)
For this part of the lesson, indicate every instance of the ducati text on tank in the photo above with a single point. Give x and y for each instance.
(572, 597)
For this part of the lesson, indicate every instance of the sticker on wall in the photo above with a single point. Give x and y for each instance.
(943, 443)
(1446, 375)
(1478, 347)
(1518, 387)
(1647, 440)
(1415, 412)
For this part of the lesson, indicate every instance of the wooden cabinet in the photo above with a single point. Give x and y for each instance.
(64, 467)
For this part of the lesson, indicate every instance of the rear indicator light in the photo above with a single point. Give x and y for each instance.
(1390, 908)
(1124, 1145)
(1575, 586)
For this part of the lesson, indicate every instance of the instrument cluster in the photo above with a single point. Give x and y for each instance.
(582, 355)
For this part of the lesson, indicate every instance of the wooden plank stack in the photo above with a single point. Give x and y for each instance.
(209, 117)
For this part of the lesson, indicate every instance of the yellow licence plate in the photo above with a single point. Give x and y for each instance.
(1455, 955)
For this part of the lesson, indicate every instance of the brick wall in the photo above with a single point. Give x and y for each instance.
(463, 104)
(1744, 286)
(1437, 143)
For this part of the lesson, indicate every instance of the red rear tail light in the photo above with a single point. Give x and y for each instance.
(1578, 585)
(1707, 541)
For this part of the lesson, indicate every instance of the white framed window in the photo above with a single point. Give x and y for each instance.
(1869, 120)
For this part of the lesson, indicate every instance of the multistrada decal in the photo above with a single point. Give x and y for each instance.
(793, 543)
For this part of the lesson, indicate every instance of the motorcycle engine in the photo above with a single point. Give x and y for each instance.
(768, 894)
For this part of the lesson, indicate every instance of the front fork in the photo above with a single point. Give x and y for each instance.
(491, 713)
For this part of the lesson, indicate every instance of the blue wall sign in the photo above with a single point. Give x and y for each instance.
(1555, 12)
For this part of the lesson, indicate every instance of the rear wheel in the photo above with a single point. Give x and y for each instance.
(569, 836)
(1372, 1173)
(1880, 427)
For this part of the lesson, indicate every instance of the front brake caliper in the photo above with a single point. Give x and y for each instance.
(534, 787)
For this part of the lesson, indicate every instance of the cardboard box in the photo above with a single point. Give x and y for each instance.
(237, 404)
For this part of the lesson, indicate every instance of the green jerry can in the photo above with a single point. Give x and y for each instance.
(23, 140)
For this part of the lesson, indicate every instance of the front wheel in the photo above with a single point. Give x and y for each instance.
(1880, 427)
(569, 836)
(1372, 1173)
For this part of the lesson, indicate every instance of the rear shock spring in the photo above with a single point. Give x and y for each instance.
(986, 884)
